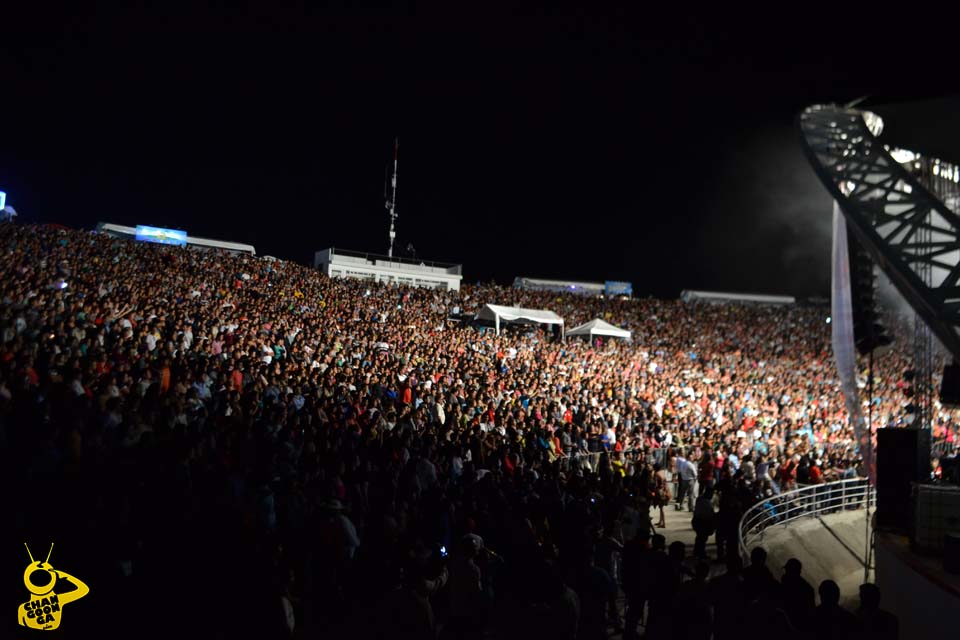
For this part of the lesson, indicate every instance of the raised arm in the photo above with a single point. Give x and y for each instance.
(81, 588)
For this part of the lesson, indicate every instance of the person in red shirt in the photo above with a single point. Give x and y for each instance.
(816, 475)
(788, 474)
(236, 380)
(509, 464)
(937, 473)
(165, 376)
(707, 473)
(557, 445)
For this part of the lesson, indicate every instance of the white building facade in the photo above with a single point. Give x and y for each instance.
(338, 263)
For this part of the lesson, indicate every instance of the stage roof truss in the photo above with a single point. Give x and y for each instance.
(910, 233)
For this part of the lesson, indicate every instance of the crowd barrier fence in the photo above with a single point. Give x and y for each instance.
(806, 502)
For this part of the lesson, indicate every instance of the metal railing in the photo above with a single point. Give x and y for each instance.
(941, 448)
(590, 461)
(805, 502)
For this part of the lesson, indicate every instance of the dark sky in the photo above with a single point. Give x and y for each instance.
(648, 145)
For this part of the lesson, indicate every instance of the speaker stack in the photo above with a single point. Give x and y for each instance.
(903, 458)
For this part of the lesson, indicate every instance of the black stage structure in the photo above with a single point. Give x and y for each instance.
(901, 205)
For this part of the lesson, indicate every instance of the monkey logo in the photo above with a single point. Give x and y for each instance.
(42, 611)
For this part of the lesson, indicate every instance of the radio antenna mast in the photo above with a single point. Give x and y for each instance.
(392, 199)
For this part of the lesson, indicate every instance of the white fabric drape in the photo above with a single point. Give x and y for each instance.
(844, 349)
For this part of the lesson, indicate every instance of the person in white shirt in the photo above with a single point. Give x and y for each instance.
(187, 338)
(686, 475)
(734, 460)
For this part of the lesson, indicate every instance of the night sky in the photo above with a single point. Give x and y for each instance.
(636, 144)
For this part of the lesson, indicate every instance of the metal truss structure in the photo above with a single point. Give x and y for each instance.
(896, 210)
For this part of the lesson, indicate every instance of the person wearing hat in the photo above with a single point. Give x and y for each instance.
(798, 595)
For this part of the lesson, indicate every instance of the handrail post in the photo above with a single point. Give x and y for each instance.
(797, 503)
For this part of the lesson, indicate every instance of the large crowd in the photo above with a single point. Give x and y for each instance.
(311, 457)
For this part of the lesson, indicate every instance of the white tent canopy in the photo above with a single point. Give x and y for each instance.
(499, 314)
(598, 327)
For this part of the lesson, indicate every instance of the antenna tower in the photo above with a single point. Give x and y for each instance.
(392, 199)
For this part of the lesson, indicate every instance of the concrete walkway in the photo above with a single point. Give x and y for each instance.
(831, 547)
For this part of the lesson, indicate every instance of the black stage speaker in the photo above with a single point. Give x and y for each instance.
(950, 387)
(903, 457)
(951, 552)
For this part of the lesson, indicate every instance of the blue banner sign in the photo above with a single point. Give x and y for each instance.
(161, 236)
(614, 288)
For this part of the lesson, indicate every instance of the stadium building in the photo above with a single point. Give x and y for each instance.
(609, 287)
(338, 263)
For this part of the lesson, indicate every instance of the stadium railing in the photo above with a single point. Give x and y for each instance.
(811, 501)
(941, 448)
(591, 461)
